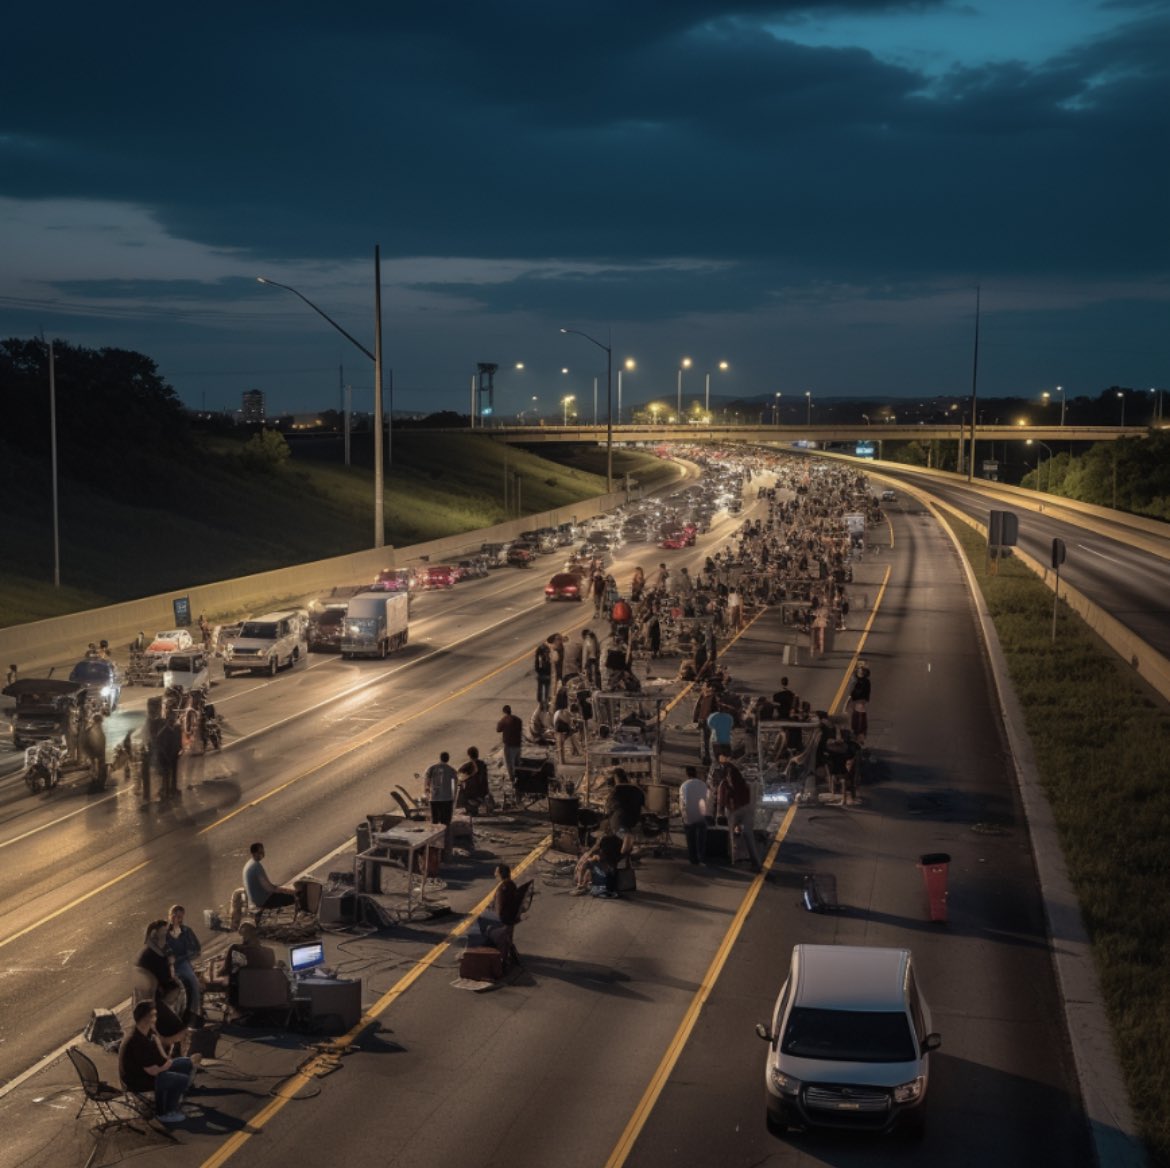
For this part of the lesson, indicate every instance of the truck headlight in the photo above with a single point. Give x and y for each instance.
(107, 690)
(909, 1092)
(785, 1084)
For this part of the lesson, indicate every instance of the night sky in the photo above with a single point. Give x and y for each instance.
(808, 191)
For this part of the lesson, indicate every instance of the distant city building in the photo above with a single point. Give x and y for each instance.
(253, 406)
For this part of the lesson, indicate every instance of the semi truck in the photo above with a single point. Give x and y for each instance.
(376, 623)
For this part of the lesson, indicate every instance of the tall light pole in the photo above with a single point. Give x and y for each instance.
(1121, 395)
(376, 357)
(629, 364)
(569, 397)
(1157, 406)
(776, 409)
(723, 367)
(685, 363)
(1047, 397)
(1048, 451)
(53, 465)
(608, 400)
(808, 397)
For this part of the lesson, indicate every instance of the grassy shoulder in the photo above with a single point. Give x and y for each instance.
(213, 518)
(1101, 745)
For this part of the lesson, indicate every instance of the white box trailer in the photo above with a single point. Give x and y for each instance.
(376, 623)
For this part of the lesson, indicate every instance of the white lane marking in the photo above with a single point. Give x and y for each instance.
(1094, 552)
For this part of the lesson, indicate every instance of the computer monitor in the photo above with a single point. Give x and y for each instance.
(302, 958)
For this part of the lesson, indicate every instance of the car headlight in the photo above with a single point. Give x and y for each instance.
(107, 690)
(910, 1092)
(785, 1084)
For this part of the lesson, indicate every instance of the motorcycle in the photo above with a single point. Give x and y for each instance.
(212, 731)
(42, 766)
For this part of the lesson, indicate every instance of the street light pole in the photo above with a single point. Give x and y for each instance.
(685, 363)
(1039, 471)
(776, 410)
(608, 401)
(376, 357)
(808, 395)
(53, 463)
(1121, 395)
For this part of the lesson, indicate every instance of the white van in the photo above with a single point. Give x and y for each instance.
(850, 1041)
(268, 642)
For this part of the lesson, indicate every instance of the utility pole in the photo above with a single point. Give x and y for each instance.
(974, 389)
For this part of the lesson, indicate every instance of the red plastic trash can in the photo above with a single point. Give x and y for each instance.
(934, 867)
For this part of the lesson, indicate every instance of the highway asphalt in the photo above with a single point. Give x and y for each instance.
(557, 1066)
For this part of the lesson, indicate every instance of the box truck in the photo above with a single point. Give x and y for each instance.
(376, 623)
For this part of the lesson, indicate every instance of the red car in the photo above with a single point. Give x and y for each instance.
(437, 576)
(395, 580)
(674, 541)
(563, 586)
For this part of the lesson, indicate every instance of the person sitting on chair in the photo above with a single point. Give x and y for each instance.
(143, 1065)
(496, 925)
(597, 868)
(262, 893)
(474, 793)
(246, 953)
(159, 984)
(627, 801)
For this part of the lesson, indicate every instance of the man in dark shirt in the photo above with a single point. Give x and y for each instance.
(511, 732)
(143, 1066)
(627, 801)
(784, 699)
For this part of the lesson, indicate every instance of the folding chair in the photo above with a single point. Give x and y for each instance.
(656, 817)
(105, 1098)
(410, 809)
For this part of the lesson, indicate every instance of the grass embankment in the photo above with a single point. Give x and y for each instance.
(214, 518)
(1102, 747)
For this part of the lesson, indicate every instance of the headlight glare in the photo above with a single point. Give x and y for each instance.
(909, 1092)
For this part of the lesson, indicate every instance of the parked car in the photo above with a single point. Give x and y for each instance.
(434, 576)
(563, 586)
(165, 643)
(188, 670)
(101, 681)
(495, 554)
(673, 541)
(566, 534)
(47, 709)
(889, 495)
(521, 555)
(473, 568)
(325, 621)
(395, 580)
(267, 642)
(850, 1041)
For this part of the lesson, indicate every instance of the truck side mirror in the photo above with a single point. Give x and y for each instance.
(931, 1042)
(763, 1032)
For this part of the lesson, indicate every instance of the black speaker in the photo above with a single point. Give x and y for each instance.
(533, 775)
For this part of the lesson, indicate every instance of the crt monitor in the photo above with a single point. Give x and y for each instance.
(302, 958)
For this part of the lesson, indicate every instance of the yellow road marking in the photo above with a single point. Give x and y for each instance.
(840, 694)
(673, 1052)
(72, 904)
(304, 1075)
(682, 1035)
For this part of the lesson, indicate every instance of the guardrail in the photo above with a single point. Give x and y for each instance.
(46, 640)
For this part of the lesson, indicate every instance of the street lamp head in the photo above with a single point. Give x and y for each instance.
(261, 280)
(564, 371)
(686, 362)
(630, 363)
(564, 330)
(724, 366)
(519, 364)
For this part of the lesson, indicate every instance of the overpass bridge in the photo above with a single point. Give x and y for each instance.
(822, 434)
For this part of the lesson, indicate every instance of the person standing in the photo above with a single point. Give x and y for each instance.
(11, 676)
(784, 698)
(597, 589)
(721, 724)
(705, 706)
(542, 666)
(511, 732)
(556, 648)
(694, 799)
(439, 784)
(474, 791)
(735, 609)
(859, 702)
(591, 657)
(734, 799)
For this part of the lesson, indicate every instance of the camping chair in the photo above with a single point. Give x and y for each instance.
(105, 1099)
(411, 810)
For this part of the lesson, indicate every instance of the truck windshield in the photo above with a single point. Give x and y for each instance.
(855, 1036)
(358, 626)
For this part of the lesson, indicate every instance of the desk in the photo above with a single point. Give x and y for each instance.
(639, 761)
(403, 840)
